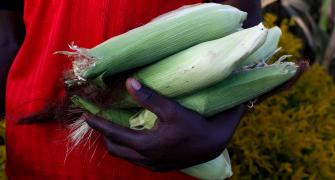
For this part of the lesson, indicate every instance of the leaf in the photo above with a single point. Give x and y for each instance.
(299, 20)
(330, 51)
(324, 18)
(303, 8)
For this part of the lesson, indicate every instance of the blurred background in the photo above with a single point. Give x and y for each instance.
(290, 135)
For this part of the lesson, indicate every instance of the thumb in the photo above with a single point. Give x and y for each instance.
(149, 99)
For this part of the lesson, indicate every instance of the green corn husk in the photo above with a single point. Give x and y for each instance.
(174, 76)
(118, 116)
(162, 37)
(266, 50)
(240, 87)
(218, 168)
(260, 55)
(199, 66)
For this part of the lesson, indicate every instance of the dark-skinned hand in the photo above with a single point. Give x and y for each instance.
(180, 137)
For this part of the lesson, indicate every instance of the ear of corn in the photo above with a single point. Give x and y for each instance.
(240, 87)
(218, 168)
(260, 55)
(202, 65)
(162, 37)
(266, 50)
(118, 116)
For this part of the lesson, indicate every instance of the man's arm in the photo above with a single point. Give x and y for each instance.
(11, 35)
(252, 7)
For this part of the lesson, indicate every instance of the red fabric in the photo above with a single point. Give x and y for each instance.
(38, 151)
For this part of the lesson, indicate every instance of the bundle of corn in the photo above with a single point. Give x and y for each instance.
(198, 55)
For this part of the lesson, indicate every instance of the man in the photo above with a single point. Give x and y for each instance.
(38, 151)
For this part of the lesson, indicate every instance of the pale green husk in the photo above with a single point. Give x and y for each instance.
(266, 50)
(202, 65)
(118, 116)
(199, 66)
(240, 87)
(258, 57)
(218, 168)
(162, 37)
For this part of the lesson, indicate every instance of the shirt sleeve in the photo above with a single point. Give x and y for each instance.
(12, 5)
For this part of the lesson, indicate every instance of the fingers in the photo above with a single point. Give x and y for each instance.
(237, 111)
(231, 117)
(149, 99)
(226, 122)
(124, 152)
(115, 132)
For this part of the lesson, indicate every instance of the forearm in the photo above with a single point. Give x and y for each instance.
(252, 7)
(11, 34)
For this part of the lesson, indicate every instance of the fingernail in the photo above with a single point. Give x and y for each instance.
(85, 116)
(135, 84)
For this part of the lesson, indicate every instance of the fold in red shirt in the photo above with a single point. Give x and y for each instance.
(40, 151)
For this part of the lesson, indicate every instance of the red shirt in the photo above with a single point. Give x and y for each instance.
(39, 151)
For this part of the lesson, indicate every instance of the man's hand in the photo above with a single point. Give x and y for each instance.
(180, 138)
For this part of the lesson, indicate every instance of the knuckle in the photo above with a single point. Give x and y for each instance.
(147, 96)
(108, 134)
(144, 147)
(111, 151)
(171, 111)
(147, 145)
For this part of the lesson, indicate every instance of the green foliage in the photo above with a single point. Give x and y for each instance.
(316, 21)
(290, 135)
